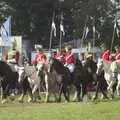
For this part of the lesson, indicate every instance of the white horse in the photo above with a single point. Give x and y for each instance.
(107, 66)
(115, 68)
(29, 73)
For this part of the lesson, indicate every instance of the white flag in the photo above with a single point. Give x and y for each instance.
(117, 30)
(54, 28)
(86, 32)
(94, 29)
(62, 29)
(98, 34)
(115, 25)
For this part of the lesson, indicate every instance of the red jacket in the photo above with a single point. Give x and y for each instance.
(117, 56)
(60, 57)
(105, 55)
(39, 58)
(69, 58)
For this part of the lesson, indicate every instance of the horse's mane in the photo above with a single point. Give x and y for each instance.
(5, 68)
(58, 66)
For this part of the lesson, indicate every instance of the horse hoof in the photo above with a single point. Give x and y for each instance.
(12, 97)
(4, 101)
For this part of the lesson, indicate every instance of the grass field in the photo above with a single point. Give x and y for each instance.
(61, 111)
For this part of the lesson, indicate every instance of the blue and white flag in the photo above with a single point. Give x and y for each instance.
(5, 31)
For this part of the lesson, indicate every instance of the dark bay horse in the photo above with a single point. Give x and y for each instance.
(9, 78)
(83, 76)
(61, 75)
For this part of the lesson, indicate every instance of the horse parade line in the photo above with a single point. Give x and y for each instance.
(86, 83)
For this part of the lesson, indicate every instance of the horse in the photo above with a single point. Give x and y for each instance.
(111, 81)
(42, 72)
(83, 76)
(101, 85)
(9, 78)
(31, 79)
(61, 76)
(78, 77)
(90, 76)
(115, 68)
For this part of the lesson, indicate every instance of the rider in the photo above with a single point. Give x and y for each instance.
(105, 53)
(60, 55)
(69, 58)
(12, 56)
(90, 63)
(116, 62)
(117, 55)
(40, 58)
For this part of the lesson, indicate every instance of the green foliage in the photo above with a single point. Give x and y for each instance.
(33, 18)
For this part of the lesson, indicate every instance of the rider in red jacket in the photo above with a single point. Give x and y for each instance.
(40, 57)
(69, 58)
(60, 55)
(117, 55)
(105, 53)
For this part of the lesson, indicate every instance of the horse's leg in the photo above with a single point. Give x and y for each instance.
(97, 89)
(23, 92)
(114, 89)
(103, 89)
(25, 86)
(84, 90)
(34, 92)
(66, 93)
(30, 95)
(118, 86)
(5, 87)
(60, 92)
(77, 93)
(47, 88)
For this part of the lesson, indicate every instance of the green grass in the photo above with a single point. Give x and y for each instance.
(62, 111)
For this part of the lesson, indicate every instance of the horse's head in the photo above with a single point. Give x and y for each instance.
(21, 73)
(78, 63)
(100, 66)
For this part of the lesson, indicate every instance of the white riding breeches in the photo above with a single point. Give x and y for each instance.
(71, 67)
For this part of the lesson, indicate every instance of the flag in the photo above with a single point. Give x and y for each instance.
(94, 29)
(61, 25)
(115, 25)
(5, 31)
(98, 34)
(86, 32)
(116, 28)
(62, 29)
(54, 28)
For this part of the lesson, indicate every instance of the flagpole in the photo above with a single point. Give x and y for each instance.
(113, 36)
(93, 42)
(83, 34)
(51, 32)
(82, 38)
(61, 31)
